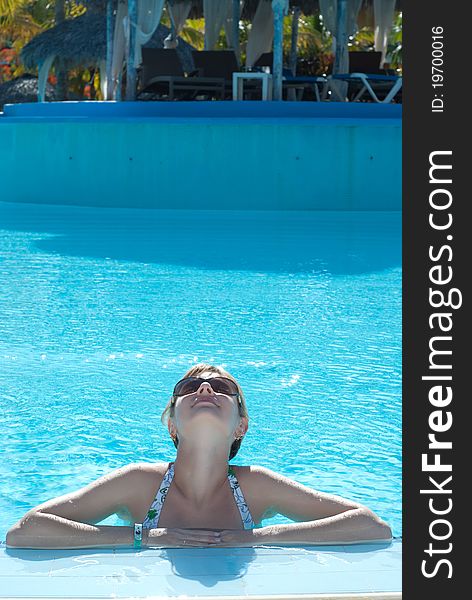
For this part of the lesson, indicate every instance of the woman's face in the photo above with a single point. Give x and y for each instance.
(205, 412)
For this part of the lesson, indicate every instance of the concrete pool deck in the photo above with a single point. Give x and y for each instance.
(320, 572)
(210, 155)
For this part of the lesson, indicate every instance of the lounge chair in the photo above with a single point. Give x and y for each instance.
(162, 77)
(265, 60)
(217, 63)
(366, 77)
(297, 84)
(294, 86)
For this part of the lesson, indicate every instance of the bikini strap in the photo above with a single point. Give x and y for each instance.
(241, 503)
(152, 517)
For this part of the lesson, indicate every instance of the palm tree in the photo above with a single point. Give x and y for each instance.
(20, 20)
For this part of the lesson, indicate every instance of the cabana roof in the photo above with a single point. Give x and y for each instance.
(76, 42)
(23, 89)
(82, 42)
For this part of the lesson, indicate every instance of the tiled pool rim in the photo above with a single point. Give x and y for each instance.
(209, 155)
(358, 571)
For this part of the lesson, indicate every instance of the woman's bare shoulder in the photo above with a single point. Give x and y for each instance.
(148, 469)
(150, 466)
(145, 479)
(142, 474)
(250, 476)
(251, 471)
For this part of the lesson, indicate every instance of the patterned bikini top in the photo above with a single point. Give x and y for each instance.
(154, 511)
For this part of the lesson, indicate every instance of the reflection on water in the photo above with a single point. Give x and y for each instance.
(298, 241)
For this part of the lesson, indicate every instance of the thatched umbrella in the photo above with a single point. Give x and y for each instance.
(23, 89)
(74, 42)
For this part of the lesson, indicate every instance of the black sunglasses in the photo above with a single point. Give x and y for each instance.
(220, 385)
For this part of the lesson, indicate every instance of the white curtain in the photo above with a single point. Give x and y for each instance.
(328, 12)
(179, 12)
(119, 44)
(43, 73)
(215, 13)
(328, 9)
(261, 35)
(149, 16)
(383, 19)
(102, 65)
(229, 24)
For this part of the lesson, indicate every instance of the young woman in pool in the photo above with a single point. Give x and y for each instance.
(200, 500)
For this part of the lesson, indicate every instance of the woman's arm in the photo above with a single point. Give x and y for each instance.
(50, 532)
(67, 521)
(320, 518)
(350, 527)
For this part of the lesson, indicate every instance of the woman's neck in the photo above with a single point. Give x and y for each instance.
(200, 473)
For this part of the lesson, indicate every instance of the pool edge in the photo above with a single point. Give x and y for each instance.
(361, 596)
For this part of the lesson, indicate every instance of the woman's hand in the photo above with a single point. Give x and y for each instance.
(167, 537)
(240, 537)
(170, 537)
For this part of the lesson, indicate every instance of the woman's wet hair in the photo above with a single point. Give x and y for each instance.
(197, 371)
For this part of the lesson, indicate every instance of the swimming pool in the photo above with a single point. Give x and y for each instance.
(104, 309)
(212, 155)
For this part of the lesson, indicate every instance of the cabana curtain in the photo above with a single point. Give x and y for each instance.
(261, 35)
(149, 16)
(179, 12)
(103, 77)
(215, 13)
(43, 73)
(328, 12)
(229, 26)
(383, 19)
(118, 45)
(328, 9)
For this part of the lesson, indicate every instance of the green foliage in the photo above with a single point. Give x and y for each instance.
(314, 49)
(21, 20)
(395, 44)
(312, 38)
(364, 40)
(84, 84)
(194, 33)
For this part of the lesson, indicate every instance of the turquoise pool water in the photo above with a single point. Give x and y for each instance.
(104, 309)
